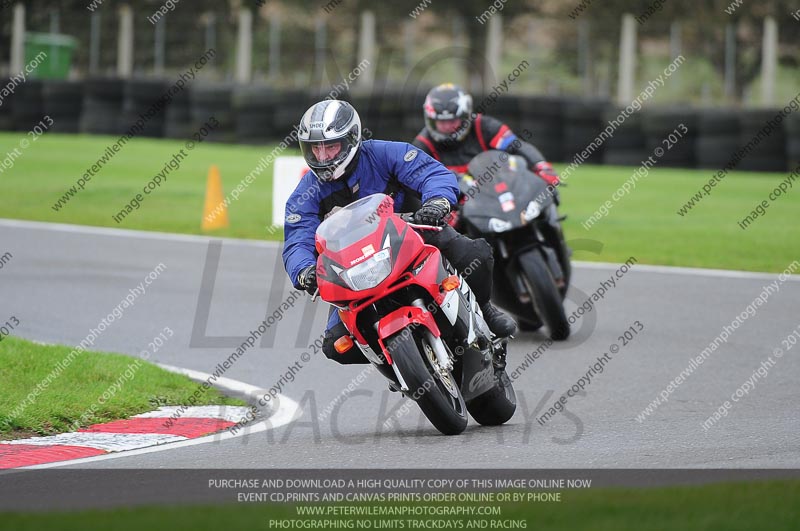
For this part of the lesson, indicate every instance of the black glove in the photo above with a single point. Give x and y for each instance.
(308, 279)
(433, 212)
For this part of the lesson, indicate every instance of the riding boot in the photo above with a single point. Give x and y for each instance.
(501, 324)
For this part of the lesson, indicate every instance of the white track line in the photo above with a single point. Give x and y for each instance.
(287, 411)
(167, 236)
(126, 233)
(692, 271)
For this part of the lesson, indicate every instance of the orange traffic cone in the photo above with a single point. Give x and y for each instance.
(215, 211)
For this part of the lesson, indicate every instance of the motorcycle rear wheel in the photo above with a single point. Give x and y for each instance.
(443, 408)
(497, 405)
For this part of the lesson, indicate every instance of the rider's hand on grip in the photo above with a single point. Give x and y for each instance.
(546, 172)
(433, 212)
(308, 279)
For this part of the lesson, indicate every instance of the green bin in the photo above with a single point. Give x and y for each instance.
(57, 54)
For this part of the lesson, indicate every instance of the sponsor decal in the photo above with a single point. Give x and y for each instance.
(411, 155)
(507, 202)
(508, 206)
(483, 379)
(292, 218)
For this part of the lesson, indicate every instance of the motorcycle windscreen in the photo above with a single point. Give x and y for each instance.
(354, 222)
(503, 193)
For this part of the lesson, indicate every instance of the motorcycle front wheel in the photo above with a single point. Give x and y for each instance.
(436, 392)
(547, 301)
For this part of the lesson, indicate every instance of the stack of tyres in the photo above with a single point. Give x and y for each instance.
(504, 108)
(659, 124)
(626, 146)
(213, 101)
(793, 139)
(717, 138)
(102, 106)
(289, 108)
(63, 103)
(413, 117)
(178, 116)
(6, 118)
(583, 122)
(254, 109)
(338, 93)
(144, 102)
(362, 102)
(387, 113)
(541, 123)
(28, 105)
(767, 142)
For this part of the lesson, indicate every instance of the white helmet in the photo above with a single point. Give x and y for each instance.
(331, 122)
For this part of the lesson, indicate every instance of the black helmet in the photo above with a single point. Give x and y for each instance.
(448, 102)
(326, 124)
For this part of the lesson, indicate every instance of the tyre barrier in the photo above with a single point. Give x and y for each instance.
(27, 107)
(658, 124)
(367, 109)
(717, 138)
(289, 108)
(178, 116)
(254, 112)
(543, 119)
(387, 117)
(6, 118)
(507, 110)
(583, 121)
(141, 105)
(102, 106)
(560, 127)
(768, 151)
(63, 102)
(793, 140)
(627, 146)
(413, 119)
(213, 100)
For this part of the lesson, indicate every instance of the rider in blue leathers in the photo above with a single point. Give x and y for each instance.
(343, 168)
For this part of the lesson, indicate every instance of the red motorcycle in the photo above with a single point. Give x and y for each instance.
(412, 315)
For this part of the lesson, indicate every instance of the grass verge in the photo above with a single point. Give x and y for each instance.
(644, 223)
(77, 391)
(771, 505)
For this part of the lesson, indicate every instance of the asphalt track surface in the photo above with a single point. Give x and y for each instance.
(63, 280)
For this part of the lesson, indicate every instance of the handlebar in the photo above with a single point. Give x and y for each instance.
(408, 217)
(425, 227)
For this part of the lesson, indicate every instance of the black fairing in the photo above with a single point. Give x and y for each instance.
(503, 189)
(495, 173)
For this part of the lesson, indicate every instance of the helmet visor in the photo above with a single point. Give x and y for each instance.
(324, 157)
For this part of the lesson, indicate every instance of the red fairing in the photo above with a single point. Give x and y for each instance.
(428, 277)
(400, 319)
(407, 251)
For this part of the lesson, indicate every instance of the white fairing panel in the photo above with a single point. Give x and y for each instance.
(450, 306)
(471, 303)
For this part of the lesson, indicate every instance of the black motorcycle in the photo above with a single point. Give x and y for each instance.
(508, 205)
